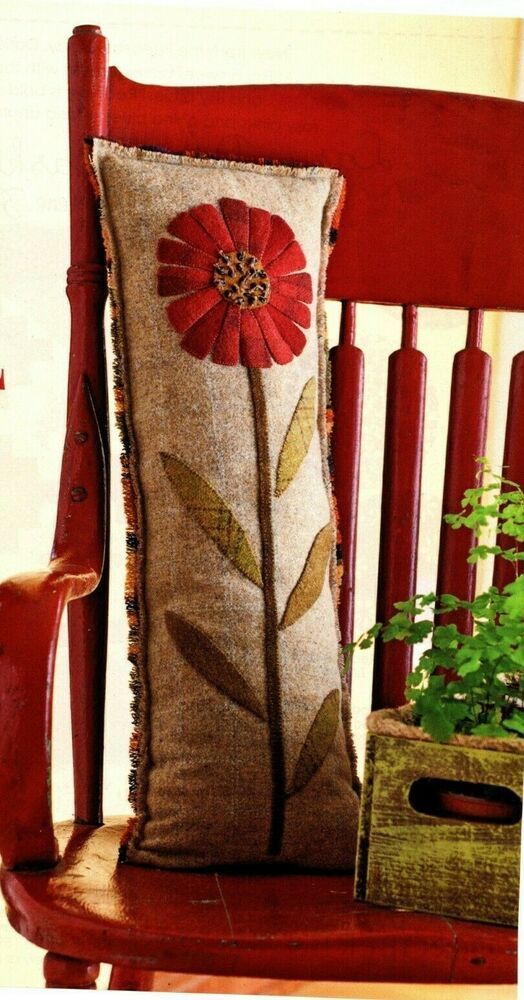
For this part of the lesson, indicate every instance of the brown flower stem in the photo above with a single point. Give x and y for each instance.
(273, 693)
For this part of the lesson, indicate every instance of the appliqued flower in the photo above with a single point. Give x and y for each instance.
(239, 290)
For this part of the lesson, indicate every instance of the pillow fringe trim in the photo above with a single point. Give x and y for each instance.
(135, 543)
(331, 221)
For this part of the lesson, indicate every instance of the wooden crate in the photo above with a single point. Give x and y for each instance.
(413, 860)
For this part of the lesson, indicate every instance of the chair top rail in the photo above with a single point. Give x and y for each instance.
(434, 211)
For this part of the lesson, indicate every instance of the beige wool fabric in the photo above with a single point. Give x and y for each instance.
(206, 763)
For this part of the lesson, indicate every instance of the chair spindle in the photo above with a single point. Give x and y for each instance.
(466, 441)
(400, 504)
(347, 394)
(513, 462)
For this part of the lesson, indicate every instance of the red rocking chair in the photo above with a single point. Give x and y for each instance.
(435, 217)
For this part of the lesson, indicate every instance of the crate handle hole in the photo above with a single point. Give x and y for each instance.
(465, 800)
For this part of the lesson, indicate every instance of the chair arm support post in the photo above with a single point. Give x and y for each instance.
(31, 607)
(87, 292)
(30, 611)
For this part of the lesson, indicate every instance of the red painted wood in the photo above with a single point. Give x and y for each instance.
(411, 232)
(86, 290)
(124, 978)
(61, 972)
(30, 612)
(286, 925)
(347, 390)
(471, 958)
(400, 506)
(468, 415)
(513, 462)
(431, 151)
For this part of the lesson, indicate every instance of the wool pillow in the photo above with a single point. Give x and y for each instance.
(242, 751)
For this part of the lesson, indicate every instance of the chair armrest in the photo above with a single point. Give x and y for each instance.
(31, 607)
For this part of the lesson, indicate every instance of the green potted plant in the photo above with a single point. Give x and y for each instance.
(442, 793)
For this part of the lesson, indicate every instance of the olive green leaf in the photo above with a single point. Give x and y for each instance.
(202, 654)
(298, 438)
(311, 581)
(213, 515)
(318, 741)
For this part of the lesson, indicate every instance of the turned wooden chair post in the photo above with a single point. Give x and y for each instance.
(87, 291)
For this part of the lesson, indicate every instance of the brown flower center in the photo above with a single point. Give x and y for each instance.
(241, 279)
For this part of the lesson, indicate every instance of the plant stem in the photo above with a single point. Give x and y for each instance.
(273, 692)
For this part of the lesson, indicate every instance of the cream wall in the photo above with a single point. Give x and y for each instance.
(171, 45)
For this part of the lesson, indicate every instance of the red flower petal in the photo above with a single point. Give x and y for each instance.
(175, 252)
(211, 220)
(210, 325)
(182, 313)
(280, 350)
(295, 310)
(236, 215)
(253, 350)
(259, 227)
(176, 280)
(294, 286)
(200, 337)
(291, 259)
(288, 330)
(188, 229)
(226, 349)
(280, 236)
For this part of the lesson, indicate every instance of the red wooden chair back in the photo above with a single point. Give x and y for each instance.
(434, 216)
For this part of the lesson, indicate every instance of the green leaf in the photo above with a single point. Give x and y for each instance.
(204, 656)
(489, 729)
(445, 636)
(468, 661)
(403, 628)
(311, 581)
(515, 723)
(437, 725)
(482, 552)
(213, 515)
(318, 742)
(517, 654)
(298, 438)
(448, 601)
(367, 640)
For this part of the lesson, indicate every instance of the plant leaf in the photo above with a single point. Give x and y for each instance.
(311, 581)
(297, 439)
(490, 729)
(318, 741)
(515, 723)
(205, 657)
(213, 515)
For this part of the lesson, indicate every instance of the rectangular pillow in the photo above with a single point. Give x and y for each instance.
(242, 751)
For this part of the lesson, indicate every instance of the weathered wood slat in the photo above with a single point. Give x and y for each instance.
(347, 391)
(412, 857)
(400, 505)
(468, 415)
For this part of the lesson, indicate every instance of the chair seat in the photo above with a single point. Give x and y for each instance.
(289, 926)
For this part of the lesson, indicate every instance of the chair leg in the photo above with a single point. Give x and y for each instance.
(123, 978)
(61, 972)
